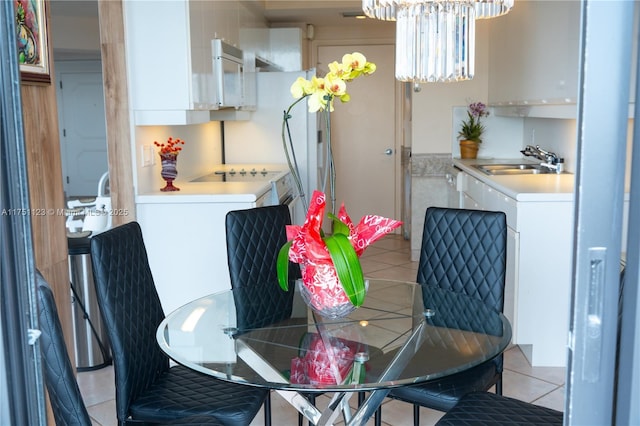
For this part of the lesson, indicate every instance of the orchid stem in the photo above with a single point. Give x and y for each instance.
(291, 158)
(331, 167)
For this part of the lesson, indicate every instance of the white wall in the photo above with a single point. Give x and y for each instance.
(76, 34)
(556, 135)
(433, 126)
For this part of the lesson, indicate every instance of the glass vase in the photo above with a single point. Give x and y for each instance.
(169, 171)
(326, 297)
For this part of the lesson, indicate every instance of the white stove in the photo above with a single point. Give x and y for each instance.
(278, 189)
(240, 175)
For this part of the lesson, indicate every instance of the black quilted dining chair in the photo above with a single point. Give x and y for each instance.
(147, 389)
(254, 238)
(59, 376)
(487, 409)
(64, 394)
(462, 251)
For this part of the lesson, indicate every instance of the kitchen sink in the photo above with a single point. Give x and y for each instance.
(512, 169)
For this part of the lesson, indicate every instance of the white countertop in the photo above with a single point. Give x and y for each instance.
(207, 192)
(213, 192)
(526, 187)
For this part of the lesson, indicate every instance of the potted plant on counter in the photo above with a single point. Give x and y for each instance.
(471, 132)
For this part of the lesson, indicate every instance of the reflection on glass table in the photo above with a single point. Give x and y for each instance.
(403, 334)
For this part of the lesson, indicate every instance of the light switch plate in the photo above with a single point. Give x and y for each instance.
(147, 156)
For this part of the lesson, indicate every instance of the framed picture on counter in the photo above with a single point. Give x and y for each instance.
(33, 45)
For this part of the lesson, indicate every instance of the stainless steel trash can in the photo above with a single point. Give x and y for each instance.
(92, 349)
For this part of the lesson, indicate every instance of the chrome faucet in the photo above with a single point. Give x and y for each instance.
(549, 159)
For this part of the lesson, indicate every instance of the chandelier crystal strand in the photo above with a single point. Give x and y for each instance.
(435, 41)
(486, 9)
(384, 10)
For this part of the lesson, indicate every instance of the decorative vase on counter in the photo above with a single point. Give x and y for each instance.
(169, 170)
(469, 149)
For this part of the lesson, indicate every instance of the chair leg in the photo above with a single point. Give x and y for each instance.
(267, 410)
(416, 415)
(499, 386)
(312, 399)
(377, 418)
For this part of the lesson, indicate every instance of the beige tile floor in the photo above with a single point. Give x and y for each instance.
(388, 258)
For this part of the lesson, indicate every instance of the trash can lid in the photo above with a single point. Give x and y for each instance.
(78, 243)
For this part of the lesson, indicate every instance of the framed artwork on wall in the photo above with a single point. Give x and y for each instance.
(33, 46)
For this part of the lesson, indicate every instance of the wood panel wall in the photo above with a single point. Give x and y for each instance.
(46, 192)
(114, 74)
(46, 195)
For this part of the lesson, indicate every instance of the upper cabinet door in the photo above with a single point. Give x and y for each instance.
(158, 54)
(533, 54)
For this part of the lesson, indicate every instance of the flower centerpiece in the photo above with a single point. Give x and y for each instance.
(332, 280)
(169, 159)
(320, 93)
(472, 129)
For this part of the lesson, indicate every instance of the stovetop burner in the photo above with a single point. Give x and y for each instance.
(239, 175)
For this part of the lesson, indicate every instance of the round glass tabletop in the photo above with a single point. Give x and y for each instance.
(404, 333)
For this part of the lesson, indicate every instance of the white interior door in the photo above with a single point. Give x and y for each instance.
(363, 135)
(83, 137)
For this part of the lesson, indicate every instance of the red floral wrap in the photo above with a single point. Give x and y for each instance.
(309, 250)
(322, 365)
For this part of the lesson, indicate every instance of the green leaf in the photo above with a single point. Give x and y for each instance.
(347, 266)
(282, 266)
(339, 227)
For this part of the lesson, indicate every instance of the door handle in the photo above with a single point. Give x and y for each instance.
(388, 151)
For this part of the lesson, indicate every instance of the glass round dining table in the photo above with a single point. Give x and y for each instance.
(403, 334)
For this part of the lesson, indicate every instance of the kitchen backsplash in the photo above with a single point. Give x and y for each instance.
(504, 137)
(202, 150)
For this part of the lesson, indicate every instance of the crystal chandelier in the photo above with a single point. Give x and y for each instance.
(486, 9)
(435, 40)
(384, 10)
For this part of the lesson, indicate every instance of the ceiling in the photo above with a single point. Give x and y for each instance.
(283, 12)
(317, 12)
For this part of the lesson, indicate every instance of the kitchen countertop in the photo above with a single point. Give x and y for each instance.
(526, 187)
(207, 192)
(213, 192)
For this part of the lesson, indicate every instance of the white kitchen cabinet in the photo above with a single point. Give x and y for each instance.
(186, 247)
(524, 69)
(534, 60)
(538, 275)
(164, 82)
(169, 57)
(479, 196)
